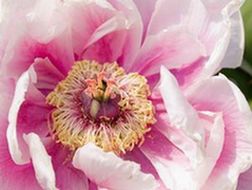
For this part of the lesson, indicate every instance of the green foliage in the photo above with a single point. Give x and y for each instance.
(247, 17)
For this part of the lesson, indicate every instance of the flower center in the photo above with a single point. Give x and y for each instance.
(102, 104)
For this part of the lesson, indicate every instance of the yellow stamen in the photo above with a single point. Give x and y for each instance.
(76, 121)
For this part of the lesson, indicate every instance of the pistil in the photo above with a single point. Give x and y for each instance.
(102, 104)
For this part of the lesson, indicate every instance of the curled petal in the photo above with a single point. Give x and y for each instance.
(236, 154)
(171, 163)
(145, 8)
(26, 98)
(47, 75)
(41, 30)
(181, 113)
(19, 97)
(41, 162)
(234, 54)
(109, 171)
(169, 48)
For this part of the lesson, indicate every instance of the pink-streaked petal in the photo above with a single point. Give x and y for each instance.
(28, 113)
(33, 117)
(12, 176)
(87, 12)
(202, 158)
(145, 7)
(118, 38)
(214, 24)
(109, 31)
(93, 186)
(47, 75)
(134, 31)
(190, 14)
(245, 180)
(169, 161)
(187, 75)
(109, 171)
(106, 44)
(137, 156)
(181, 114)
(224, 34)
(41, 162)
(172, 165)
(215, 130)
(169, 48)
(67, 177)
(212, 65)
(27, 41)
(236, 153)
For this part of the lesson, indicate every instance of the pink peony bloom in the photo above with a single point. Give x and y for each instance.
(118, 95)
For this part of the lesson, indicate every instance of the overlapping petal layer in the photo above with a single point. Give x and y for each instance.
(202, 138)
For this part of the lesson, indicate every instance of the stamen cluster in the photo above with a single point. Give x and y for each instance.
(102, 104)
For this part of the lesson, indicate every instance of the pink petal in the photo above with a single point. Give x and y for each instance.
(109, 31)
(137, 156)
(134, 31)
(175, 13)
(86, 12)
(67, 177)
(169, 161)
(234, 55)
(215, 24)
(47, 75)
(145, 8)
(25, 40)
(245, 181)
(7, 88)
(224, 32)
(46, 20)
(28, 113)
(214, 127)
(41, 162)
(236, 154)
(169, 48)
(106, 44)
(181, 114)
(12, 176)
(172, 165)
(189, 74)
(18, 156)
(109, 171)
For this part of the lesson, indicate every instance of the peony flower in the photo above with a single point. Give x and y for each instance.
(118, 95)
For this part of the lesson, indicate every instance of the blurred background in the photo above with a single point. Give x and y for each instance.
(243, 75)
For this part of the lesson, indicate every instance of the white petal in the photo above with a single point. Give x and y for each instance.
(19, 96)
(172, 165)
(111, 172)
(46, 20)
(237, 116)
(41, 162)
(181, 113)
(234, 55)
